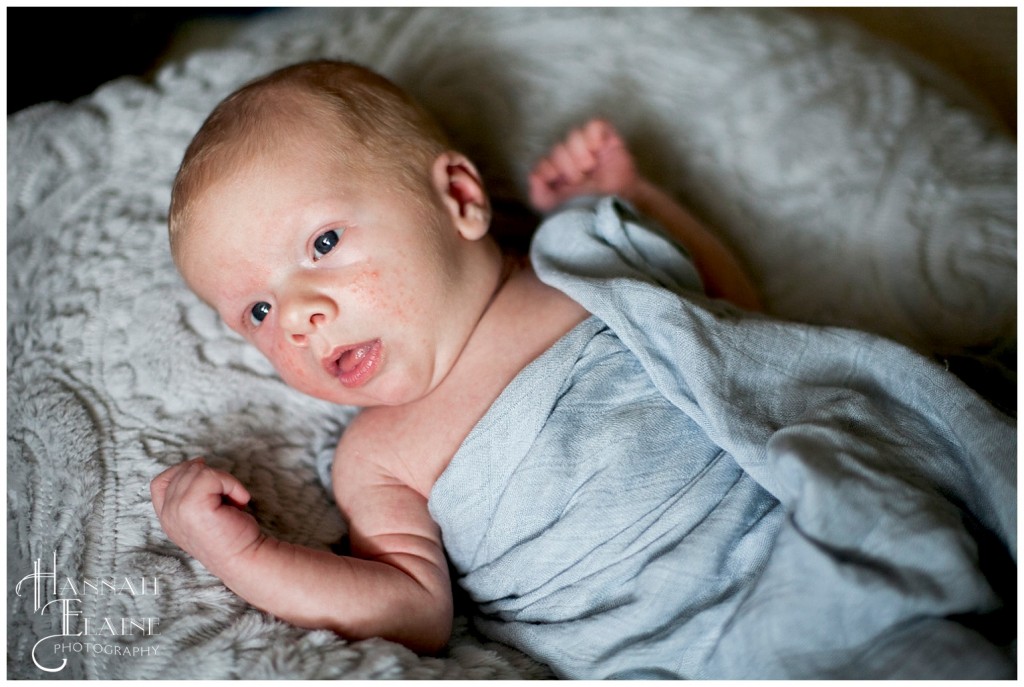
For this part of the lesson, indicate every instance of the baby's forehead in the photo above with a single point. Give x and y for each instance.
(276, 185)
(250, 158)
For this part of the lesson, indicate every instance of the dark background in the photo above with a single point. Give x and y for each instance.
(89, 46)
(62, 53)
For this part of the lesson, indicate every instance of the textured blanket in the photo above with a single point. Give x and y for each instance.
(861, 187)
(694, 494)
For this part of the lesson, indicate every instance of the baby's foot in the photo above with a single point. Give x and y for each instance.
(592, 160)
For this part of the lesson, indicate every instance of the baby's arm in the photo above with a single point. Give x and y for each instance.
(594, 160)
(399, 589)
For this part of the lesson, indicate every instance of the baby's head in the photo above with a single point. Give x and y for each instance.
(323, 214)
(357, 116)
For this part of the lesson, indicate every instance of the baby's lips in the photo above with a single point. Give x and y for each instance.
(356, 364)
(331, 360)
(352, 357)
(343, 359)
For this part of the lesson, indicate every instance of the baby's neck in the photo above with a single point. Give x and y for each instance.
(523, 319)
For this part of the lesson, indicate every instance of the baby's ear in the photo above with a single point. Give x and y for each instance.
(462, 192)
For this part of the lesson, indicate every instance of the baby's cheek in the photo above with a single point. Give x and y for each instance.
(293, 371)
(370, 290)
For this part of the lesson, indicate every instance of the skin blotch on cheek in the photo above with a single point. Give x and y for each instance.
(369, 288)
(292, 369)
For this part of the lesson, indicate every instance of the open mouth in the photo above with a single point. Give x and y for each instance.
(354, 365)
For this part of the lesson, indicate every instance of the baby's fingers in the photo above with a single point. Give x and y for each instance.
(233, 490)
(581, 151)
(545, 172)
(162, 482)
(200, 510)
(193, 482)
(598, 133)
(542, 192)
(563, 160)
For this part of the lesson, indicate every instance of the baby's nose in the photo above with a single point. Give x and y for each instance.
(303, 316)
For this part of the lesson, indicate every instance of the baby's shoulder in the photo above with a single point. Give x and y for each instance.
(385, 445)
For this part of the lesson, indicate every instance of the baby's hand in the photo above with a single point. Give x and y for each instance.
(200, 510)
(592, 160)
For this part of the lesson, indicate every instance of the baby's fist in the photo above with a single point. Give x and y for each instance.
(591, 160)
(199, 508)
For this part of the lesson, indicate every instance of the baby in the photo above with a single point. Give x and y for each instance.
(325, 217)
(362, 268)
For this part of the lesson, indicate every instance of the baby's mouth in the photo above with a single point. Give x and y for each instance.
(354, 365)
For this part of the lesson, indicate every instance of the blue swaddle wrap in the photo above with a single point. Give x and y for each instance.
(674, 490)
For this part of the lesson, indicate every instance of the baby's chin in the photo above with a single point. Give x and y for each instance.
(388, 389)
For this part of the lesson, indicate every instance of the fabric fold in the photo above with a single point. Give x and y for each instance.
(679, 489)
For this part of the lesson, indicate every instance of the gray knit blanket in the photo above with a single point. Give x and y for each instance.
(862, 187)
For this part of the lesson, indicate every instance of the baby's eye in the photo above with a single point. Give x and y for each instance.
(324, 243)
(259, 312)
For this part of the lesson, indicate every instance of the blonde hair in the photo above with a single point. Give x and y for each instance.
(370, 123)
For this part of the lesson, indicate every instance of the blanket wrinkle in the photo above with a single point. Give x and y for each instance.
(744, 512)
(656, 350)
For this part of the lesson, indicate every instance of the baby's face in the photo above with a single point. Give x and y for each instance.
(351, 288)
